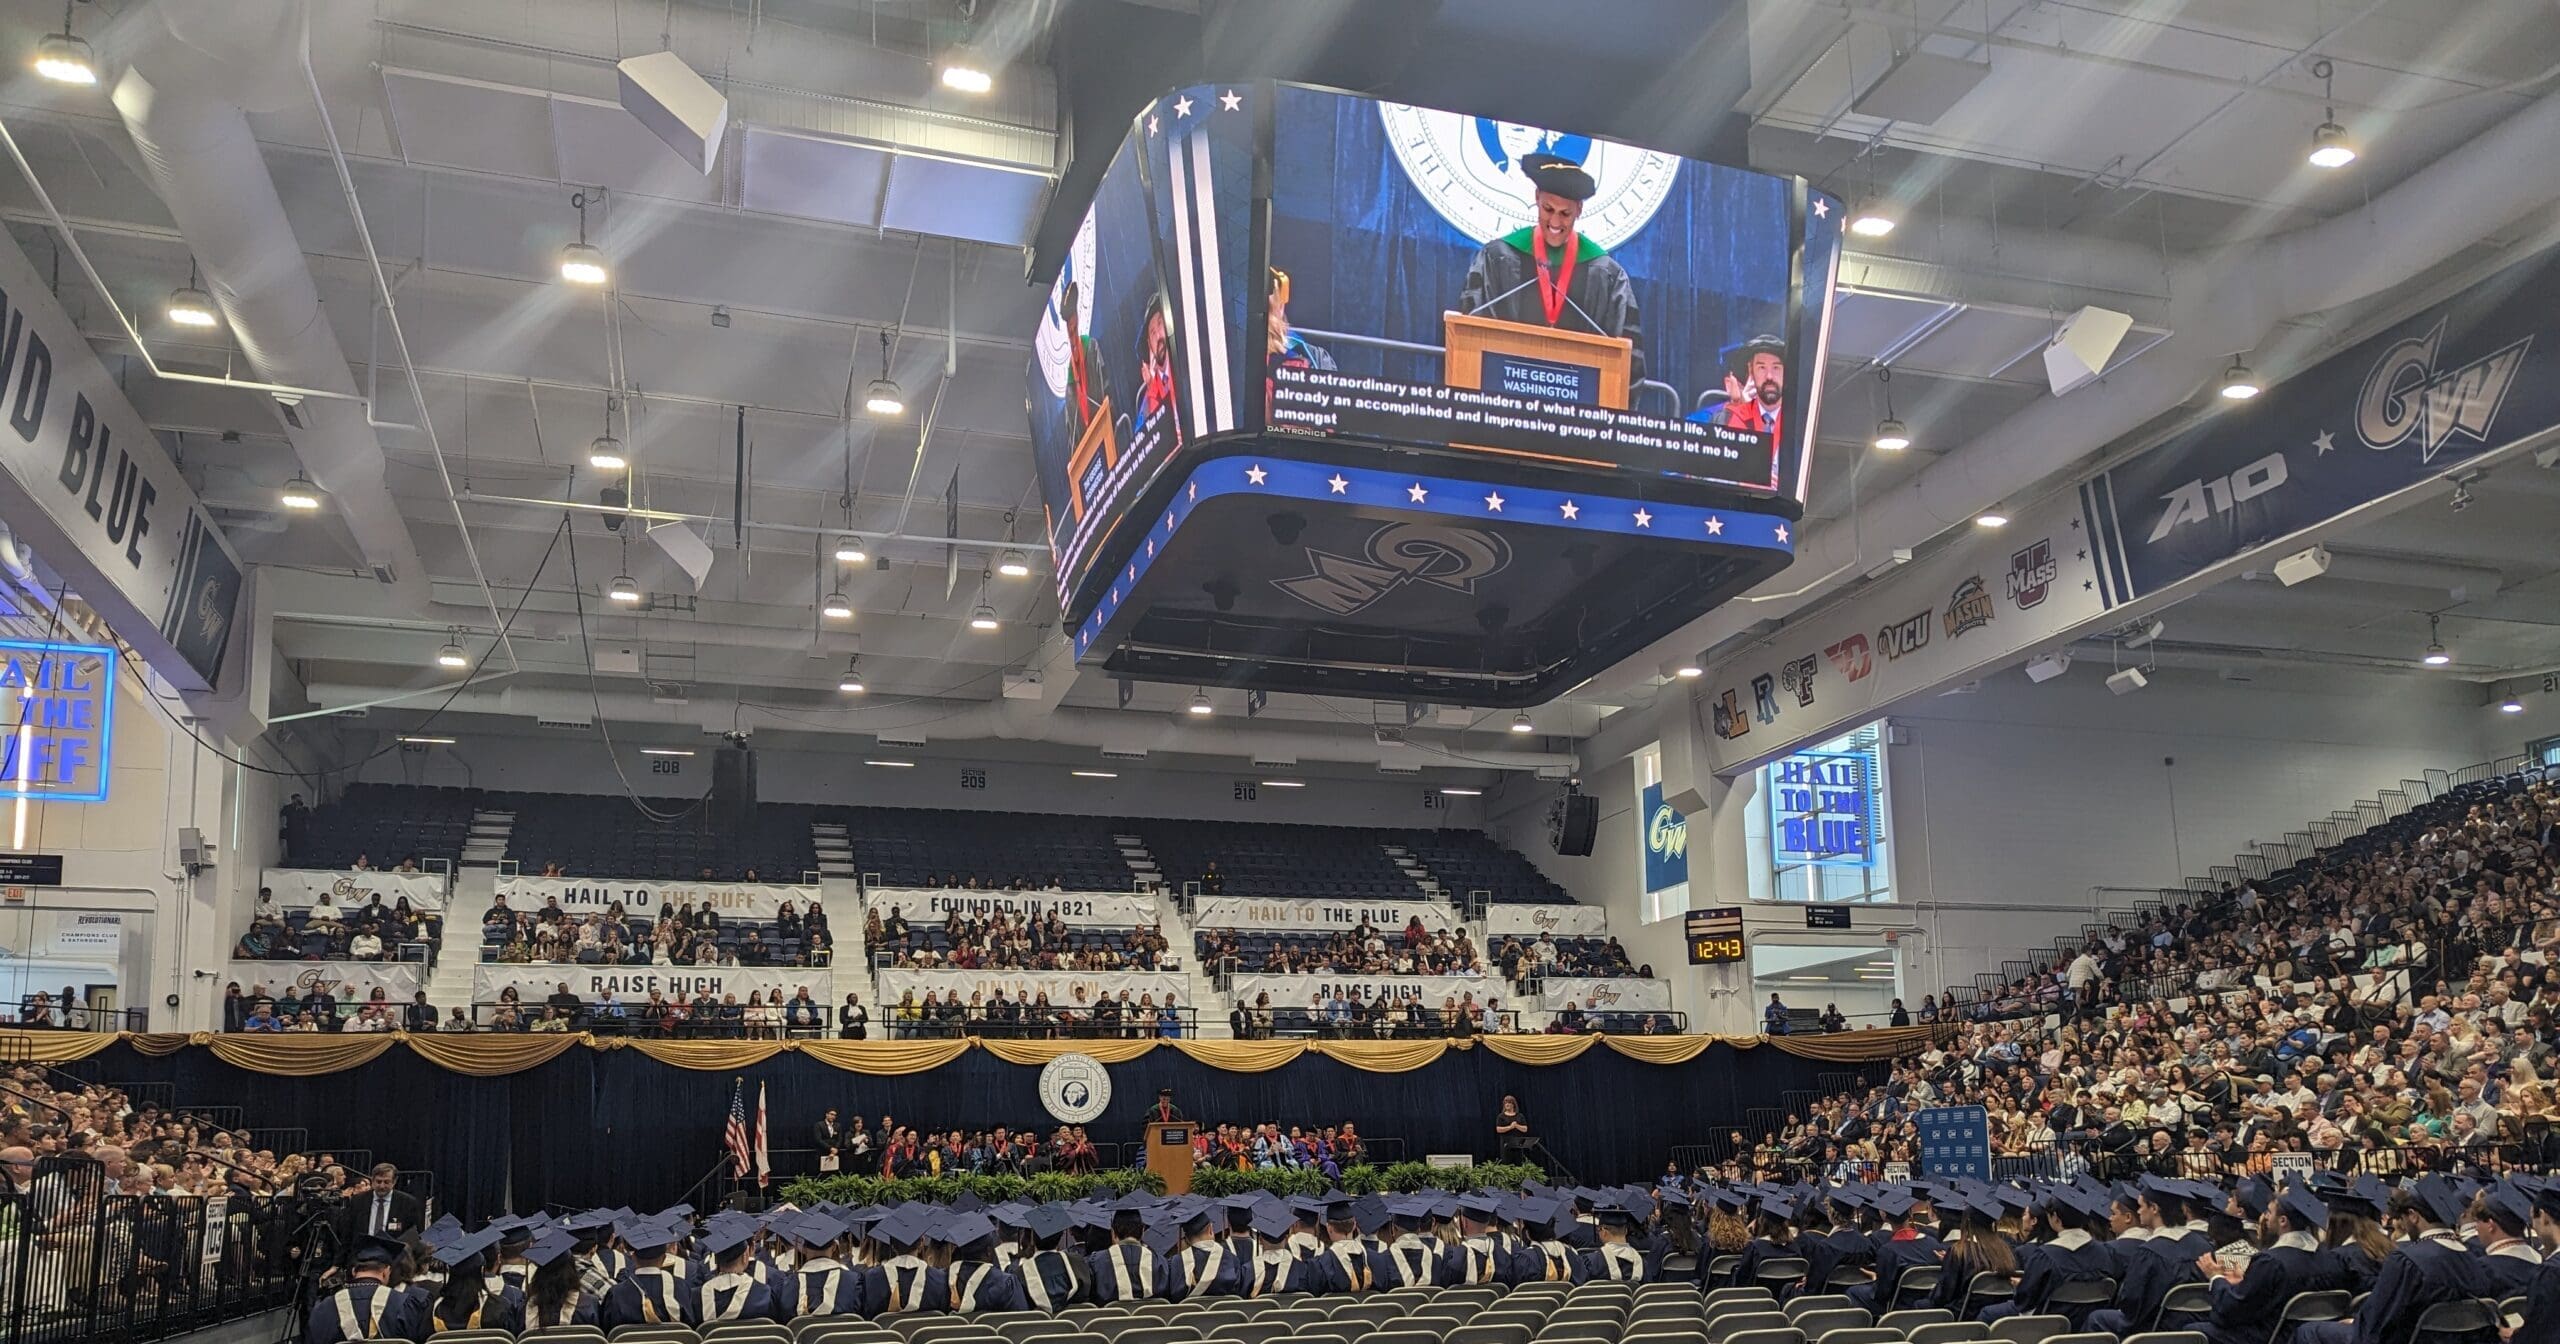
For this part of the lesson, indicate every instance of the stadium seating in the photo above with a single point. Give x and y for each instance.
(916, 846)
(1280, 860)
(1466, 861)
(605, 835)
(385, 822)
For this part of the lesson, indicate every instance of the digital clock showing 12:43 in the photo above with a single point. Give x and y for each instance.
(1715, 936)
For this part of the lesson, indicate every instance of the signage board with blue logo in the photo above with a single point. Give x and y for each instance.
(1955, 1141)
(1820, 808)
(1666, 842)
(57, 720)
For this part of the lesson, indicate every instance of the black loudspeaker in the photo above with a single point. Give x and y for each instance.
(1572, 823)
(733, 790)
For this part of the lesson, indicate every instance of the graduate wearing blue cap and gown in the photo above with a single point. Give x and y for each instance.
(2542, 1296)
(2161, 1261)
(1773, 1237)
(1411, 1259)
(556, 1294)
(1275, 1268)
(1552, 1259)
(2247, 1303)
(1482, 1252)
(1903, 1245)
(652, 1291)
(1348, 1262)
(2431, 1266)
(902, 1281)
(2505, 1256)
(1128, 1270)
(973, 1281)
(1201, 1263)
(1614, 1259)
(1839, 1247)
(822, 1284)
(1053, 1277)
(732, 1292)
(368, 1307)
(2071, 1253)
(472, 1298)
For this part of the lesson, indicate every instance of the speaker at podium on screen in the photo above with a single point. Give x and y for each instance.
(1545, 311)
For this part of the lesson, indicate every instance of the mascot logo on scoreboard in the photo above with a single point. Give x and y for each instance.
(1447, 557)
(1468, 169)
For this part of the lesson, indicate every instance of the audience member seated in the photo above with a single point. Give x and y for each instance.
(325, 932)
(1363, 951)
(1548, 957)
(1033, 1017)
(676, 937)
(1339, 1014)
(1010, 942)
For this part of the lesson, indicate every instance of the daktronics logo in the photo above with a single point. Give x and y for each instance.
(1908, 635)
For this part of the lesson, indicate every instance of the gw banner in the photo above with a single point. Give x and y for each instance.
(1255, 912)
(1528, 921)
(350, 982)
(632, 984)
(1295, 991)
(1066, 989)
(300, 888)
(637, 896)
(1602, 996)
(1080, 909)
(2416, 401)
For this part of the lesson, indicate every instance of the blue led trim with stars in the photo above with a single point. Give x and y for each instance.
(1447, 496)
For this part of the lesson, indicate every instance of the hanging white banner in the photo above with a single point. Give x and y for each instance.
(1564, 921)
(631, 984)
(921, 906)
(1603, 996)
(349, 982)
(1295, 991)
(581, 895)
(1066, 989)
(300, 888)
(1256, 912)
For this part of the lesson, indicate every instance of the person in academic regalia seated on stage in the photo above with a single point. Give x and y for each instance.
(1201, 1264)
(2248, 1301)
(2430, 1265)
(2503, 1213)
(1128, 1270)
(1614, 1259)
(368, 1307)
(822, 1284)
(1054, 1275)
(555, 1296)
(902, 1281)
(732, 1292)
(1275, 1268)
(972, 1279)
(1551, 274)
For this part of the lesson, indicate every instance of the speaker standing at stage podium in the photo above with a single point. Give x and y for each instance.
(1164, 1111)
(1549, 274)
(1511, 1129)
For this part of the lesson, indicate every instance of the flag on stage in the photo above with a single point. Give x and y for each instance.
(764, 1160)
(735, 1137)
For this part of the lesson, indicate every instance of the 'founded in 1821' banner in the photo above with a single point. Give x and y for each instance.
(921, 906)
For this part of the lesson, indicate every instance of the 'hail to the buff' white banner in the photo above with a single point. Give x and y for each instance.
(1528, 921)
(1081, 909)
(1256, 912)
(637, 896)
(300, 888)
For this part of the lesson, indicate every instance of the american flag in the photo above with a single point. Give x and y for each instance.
(735, 1137)
(764, 1161)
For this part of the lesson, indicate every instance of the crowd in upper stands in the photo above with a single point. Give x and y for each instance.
(1366, 950)
(326, 932)
(1032, 1016)
(1006, 941)
(2387, 1006)
(1548, 956)
(678, 936)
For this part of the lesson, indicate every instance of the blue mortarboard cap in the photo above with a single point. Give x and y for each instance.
(967, 1229)
(1779, 1206)
(1445, 1207)
(1273, 1221)
(2304, 1204)
(719, 1239)
(550, 1246)
(676, 1211)
(1048, 1220)
(1087, 1216)
(646, 1235)
(1370, 1217)
(965, 1202)
(818, 1229)
(462, 1252)
(2440, 1199)
(2010, 1197)
(1537, 1209)
(378, 1251)
(1162, 1238)
(1480, 1205)
(1306, 1206)
(904, 1228)
(1892, 1203)
(442, 1228)
(1638, 1203)
(1135, 1202)
(2255, 1194)
(2507, 1201)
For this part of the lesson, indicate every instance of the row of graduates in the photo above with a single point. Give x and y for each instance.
(612, 1268)
(2436, 1239)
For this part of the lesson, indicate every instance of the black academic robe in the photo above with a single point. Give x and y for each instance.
(578, 1310)
(1897, 1254)
(2246, 1312)
(1759, 1249)
(1502, 282)
(2415, 1276)
(2354, 1270)
(2045, 1266)
(2152, 1268)
(1838, 1249)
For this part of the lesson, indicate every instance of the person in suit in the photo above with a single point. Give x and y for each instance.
(385, 1211)
(368, 1307)
(828, 1138)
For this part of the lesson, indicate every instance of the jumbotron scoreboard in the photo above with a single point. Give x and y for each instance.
(1340, 396)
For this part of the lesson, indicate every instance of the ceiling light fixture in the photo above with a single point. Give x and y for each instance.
(190, 306)
(851, 682)
(1870, 221)
(849, 550)
(1012, 565)
(960, 75)
(623, 589)
(883, 397)
(582, 262)
(984, 618)
(605, 454)
(1520, 723)
(1095, 774)
(63, 58)
(2240, 382)
(2437, 655)
(2511, 705)
(1995, 517)
(837, 607)
(1463, 793)
(1690, 671)
(1892, 436)
(451, 655)
(300, 495)
(1200, 704)
(414, 741)
(892, 765)
(1284, 783)
(666, 751)
(2330, 145)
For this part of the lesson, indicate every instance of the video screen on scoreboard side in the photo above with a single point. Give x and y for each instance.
(1132, 360)
(1461, 283)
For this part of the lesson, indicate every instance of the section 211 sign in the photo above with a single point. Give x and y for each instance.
(1820, 803)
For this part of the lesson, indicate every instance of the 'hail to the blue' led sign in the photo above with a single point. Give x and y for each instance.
(57, 718)
(1818, 809)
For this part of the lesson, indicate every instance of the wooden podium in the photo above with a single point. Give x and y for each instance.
(1471, 339)
(1169, 1154)
(1096, 441)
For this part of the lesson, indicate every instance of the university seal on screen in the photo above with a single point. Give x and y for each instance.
(1468, 169)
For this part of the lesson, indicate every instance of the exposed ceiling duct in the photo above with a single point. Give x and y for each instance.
(2223, 302)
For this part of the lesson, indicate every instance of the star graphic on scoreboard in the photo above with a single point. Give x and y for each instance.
(1417, 492)
(1182, 106)
(1782, 534)
(1338, 485)
(1155, 124)
(1821, 208)
(1715, 526)
(1493, 502)
(1195, 494)
(1570, 510)
(1255, 473)
(1151, 548)
(1643, 519)
(1231, 101)
(2322, 443)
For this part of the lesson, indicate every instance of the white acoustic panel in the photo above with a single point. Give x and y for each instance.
(469, 123)
(952, 198)
(814, 177)
(601, 143)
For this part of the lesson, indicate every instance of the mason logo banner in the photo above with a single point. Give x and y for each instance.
(1602, 996)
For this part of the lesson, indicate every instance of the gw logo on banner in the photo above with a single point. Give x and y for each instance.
(2405, 396)
(1666, 842)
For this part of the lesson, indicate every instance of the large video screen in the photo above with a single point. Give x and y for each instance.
(1452, 282)
(1133, 357)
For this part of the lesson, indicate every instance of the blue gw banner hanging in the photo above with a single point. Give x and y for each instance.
(2462, 379)
(1819, 809)
(1955, 1141)
(1666, 842)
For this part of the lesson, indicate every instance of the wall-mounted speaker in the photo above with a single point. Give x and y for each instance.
(733, 789)
(1572, 823)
